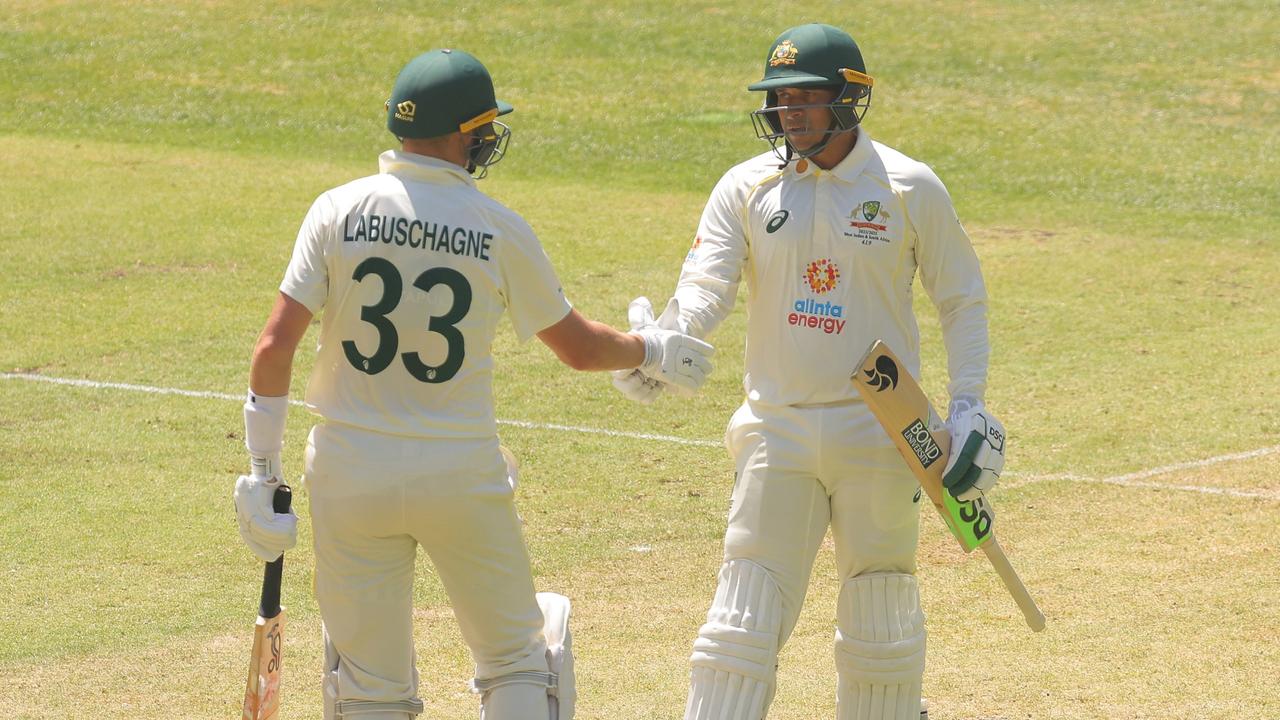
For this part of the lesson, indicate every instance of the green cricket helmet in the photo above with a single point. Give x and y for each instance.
(813, 56)
(446, 91)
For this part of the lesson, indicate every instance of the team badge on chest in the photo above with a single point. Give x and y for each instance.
(868, 223)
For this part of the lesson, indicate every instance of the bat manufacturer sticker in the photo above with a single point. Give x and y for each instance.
(276, 643)
(978, 514)
(922, 442)
(884, 376)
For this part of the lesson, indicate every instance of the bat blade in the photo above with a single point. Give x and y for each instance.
(262, 691)
(917, 431)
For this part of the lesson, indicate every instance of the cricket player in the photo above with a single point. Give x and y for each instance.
(828, 230)
(412, 268)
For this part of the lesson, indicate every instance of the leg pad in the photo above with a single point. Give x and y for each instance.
(511, 696)
(736, 654)
(880, 645)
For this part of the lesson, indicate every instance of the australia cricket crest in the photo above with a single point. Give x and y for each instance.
(868, 222)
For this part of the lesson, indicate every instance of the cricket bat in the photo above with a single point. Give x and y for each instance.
(262, 693)
(906, 415)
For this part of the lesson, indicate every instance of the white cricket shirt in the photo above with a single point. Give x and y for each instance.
(413, 268)
(829, 258)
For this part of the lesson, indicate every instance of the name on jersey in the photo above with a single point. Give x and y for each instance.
(415, 233)
(825, 316)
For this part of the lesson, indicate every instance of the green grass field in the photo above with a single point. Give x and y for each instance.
(1115, 164)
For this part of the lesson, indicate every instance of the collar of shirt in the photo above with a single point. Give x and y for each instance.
(422, 167)
(850, 167)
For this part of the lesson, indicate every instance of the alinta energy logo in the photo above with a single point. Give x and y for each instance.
(693, 249)
(820, 277)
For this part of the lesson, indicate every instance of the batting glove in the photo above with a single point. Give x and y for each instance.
(637, 386)
(977, 449)
(634, 384)
(267, 533)
(675, 358)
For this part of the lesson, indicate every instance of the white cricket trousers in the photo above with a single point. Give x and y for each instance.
(374, 499)
(802, 469)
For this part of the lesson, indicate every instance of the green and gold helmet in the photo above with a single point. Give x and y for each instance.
(447, 91)
(814, 55)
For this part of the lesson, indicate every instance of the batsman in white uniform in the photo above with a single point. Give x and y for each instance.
(828, 230)
(412, 268)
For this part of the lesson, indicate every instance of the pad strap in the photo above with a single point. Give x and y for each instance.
(528, 677)
(343, 708)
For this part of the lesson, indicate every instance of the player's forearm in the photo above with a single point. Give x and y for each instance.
(272, 362)
(612, 350)
(271, 369)
(584, 344)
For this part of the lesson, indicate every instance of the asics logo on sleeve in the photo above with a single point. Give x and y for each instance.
(776, 220)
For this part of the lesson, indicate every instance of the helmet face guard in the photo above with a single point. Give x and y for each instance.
(849, 105)
(488, 146)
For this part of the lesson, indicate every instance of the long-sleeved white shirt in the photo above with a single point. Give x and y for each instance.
(829, 258)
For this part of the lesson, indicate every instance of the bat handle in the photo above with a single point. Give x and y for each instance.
(1013, 583)
(269, 603)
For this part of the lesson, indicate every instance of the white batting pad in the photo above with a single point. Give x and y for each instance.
(513, 467)
(736, 654)
(555, 627)
(880, 644)
(515, 700)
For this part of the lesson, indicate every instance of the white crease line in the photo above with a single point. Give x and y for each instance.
(1261, 452)
(121, 386)
(94, 384)
(1189, 488)
(611, 433)
(1133, 479)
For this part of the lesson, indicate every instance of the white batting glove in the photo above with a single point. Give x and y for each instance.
(267, 533)
(977, 449)
(675, 358)
(634, 384)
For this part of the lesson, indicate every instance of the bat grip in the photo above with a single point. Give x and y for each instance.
(269, 603)
(1032, 614)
